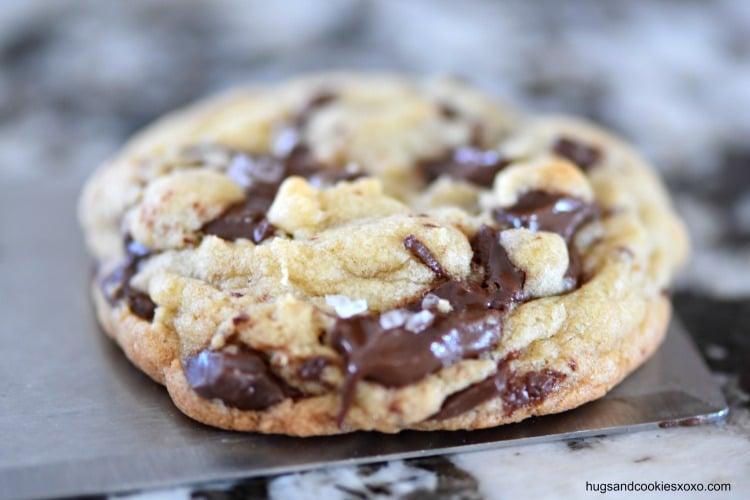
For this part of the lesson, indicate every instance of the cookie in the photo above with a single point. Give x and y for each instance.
(371, 252)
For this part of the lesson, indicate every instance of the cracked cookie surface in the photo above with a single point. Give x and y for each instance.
(373, 252)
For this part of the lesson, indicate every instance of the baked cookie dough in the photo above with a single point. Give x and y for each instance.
(372, 252)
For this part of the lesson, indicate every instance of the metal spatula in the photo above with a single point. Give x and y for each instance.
(76, 418)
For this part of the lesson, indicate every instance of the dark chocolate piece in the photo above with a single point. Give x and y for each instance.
(397, 357)
(467, 163)
(116, 285)
(240, 379)
(421, 252)
(140, 303)
(515, 391)
(582, 155)
(239, 222)
(261, 177)
(427, 341)
(543, 211)
(301, 163)
(502, 280)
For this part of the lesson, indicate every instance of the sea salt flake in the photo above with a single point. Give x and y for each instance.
(435, 303)
(346, 307)
(419, 321)
(393, 319)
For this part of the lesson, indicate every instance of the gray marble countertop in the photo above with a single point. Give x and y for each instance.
(78, 77)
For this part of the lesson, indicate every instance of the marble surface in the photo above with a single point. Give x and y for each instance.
(78, 77)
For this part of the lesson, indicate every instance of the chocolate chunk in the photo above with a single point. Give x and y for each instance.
(399, 357)
(261, 177)
(502, 280)
(301, 162)
(116, 285)
(471, 397)
(466, 163)
(240, 379)
(582, 155)
(239, 222)
(463, 294)
(542, 211)
(421, 252)
(140, 303)
(406, 353)
(515, 391)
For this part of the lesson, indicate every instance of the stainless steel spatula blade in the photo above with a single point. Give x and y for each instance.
(78, 419)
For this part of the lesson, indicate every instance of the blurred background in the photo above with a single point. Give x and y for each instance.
(78, 77)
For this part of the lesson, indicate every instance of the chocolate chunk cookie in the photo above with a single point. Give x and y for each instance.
(371, 252)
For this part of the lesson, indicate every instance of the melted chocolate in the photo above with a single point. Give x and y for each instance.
(240, 379)
(467, 163)
(301, 163)
(397, 357)
(239, 222)
(261, 177)
(542, 211)
(421, 252)
(140, 303)
(582, 155)
(401, 353)
(515, 391)
(428, 341)
(503, 282)
(116, 285)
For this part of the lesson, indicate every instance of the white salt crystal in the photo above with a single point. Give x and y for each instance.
(435, 303)
(346, 307)
(419, 321)
(393, 319)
